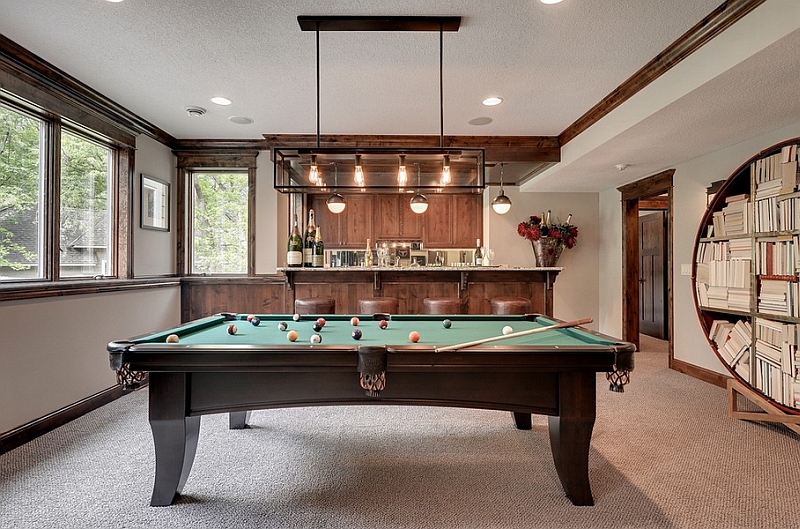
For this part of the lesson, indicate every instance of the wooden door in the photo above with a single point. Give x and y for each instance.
(652, 272)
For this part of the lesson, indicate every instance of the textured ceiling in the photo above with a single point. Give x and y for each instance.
(550, 64)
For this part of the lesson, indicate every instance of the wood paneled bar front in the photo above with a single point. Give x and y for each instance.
(475, 286)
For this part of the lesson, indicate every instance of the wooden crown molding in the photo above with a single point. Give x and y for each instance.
(712, 25)
(531, 149)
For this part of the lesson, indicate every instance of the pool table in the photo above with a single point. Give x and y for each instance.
(211, 370)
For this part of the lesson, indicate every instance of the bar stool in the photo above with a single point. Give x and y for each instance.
(442, 305)
(321, 305)
(378, 306)
(510, 305)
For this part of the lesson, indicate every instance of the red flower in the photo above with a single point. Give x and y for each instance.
(533, 229)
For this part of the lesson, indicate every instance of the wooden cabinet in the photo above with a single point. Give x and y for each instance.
(349, 229)
(453, 221)
(746, 276)
(394, 220)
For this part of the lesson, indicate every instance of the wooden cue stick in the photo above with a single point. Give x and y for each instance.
(561, 325)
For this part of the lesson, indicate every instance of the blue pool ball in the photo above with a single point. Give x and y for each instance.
(317, 327)
(356, 334)
(446, 324)
(282, 326)
(255, 321)
(316, 338)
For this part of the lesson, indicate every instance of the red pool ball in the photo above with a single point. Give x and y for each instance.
(413, 336)
(383, 324)
(232, 329)
(354, 321)
(250, 317)
(321, 322)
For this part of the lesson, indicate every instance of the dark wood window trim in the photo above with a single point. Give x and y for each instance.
(237, 157)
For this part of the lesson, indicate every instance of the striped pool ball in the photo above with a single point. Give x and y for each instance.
(232, 329)
(282, 326)
(321, 322)
(296, 317)
(173, 338)
(356, 334)
(316, 338)
(383, 324)
(354, 321)
(250, 317)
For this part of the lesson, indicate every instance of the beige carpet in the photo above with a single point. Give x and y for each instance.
(664, 455)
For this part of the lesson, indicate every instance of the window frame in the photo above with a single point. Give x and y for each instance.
(120, 175)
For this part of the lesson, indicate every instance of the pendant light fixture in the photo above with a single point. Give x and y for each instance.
(313, 171)
(402, 175)
(359, 172)
(419, 202)
(446, 170)
(501, 204)
(335, 202)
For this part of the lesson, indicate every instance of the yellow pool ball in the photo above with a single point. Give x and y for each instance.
(292, 335)
(173, 338)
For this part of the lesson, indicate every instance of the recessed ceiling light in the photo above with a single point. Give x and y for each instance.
(550, 1)
(480, 121)
(114, 1)
(219, 100)
(492, 101)
(240, 120)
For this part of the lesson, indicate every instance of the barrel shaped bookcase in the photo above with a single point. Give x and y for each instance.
(746, 279)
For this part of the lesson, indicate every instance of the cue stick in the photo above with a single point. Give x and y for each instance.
(561, 325)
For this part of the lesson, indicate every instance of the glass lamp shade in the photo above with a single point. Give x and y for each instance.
(336, 203)
(501, 204)
(419, 203)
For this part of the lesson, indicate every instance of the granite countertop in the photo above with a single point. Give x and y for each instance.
(495, 268)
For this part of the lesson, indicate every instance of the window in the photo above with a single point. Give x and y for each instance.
(219, 222)
(21, 191)
(85, 224)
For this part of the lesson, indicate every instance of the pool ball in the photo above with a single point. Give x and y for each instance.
(317, 327)
(507, 329)
(354, 321)
(250, 317)
(356, 334)
(173, 338)
(383, 324)
(232, 329)
(256, 321)
(321, 322)
(316, 338)
(413, 336)
(446, 324)
(292, 335)
(282, 326)
(296, 317)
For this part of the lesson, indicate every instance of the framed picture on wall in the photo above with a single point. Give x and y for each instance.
(154, 208)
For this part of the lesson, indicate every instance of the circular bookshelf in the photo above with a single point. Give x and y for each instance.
(746, 272)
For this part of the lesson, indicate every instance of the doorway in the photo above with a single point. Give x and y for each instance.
(647, 259)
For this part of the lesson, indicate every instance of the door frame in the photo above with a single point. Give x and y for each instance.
(632, 193)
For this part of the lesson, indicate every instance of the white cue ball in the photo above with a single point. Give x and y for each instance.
(507, 329)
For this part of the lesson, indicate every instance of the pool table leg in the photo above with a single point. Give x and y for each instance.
(174, 434)
(522, 420)
(571, 434)
(238, 420)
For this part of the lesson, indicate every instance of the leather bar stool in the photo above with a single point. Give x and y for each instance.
(510, 305)
(321, 305)
(442, 305)
(378, 306)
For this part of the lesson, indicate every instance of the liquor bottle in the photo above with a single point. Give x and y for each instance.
(318, 259)
(308, 243)
(294, 253)
(478, 254)
(368, 255)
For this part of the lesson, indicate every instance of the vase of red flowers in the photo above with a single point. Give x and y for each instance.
(548, 239)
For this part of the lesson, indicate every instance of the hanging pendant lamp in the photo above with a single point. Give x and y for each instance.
(419, 202)
(335, 202)
(501, 204)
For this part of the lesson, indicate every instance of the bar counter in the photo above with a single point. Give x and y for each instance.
(474, 285)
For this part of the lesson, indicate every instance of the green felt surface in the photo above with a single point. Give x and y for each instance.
(338, 329)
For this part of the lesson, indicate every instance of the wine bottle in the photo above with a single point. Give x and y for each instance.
(318, 259)
(368, 255)
(308, 243)
(294, 253)
(478, 254)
